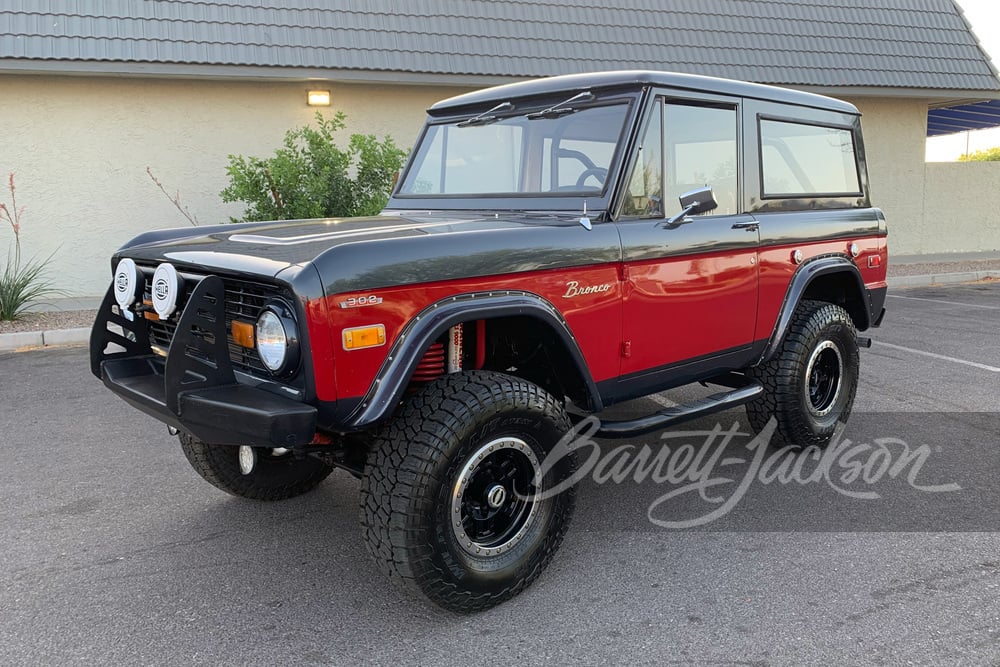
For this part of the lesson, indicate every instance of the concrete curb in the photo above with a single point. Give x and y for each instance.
(29, 339)
(941, 278)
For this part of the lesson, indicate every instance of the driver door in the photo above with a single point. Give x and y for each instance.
(690, 297)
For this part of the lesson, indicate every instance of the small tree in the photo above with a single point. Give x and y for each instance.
(311, 177)
(22, 283)
(988, 155)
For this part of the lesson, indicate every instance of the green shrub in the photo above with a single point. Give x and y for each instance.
(311, 177)
(988, 155)
(22, 283)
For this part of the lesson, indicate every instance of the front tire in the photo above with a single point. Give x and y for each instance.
(810, 383)
(446, 499)
(256, 473)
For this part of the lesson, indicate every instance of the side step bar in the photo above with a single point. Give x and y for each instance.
(681, 413)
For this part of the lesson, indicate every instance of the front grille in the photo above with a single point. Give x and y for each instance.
(244, 300)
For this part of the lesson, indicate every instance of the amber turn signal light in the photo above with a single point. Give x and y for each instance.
(150, 314)
(243, 334)
(361, 337)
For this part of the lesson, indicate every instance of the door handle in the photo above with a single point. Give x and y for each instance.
(749, 226)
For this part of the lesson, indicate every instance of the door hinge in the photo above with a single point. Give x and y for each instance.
(626, 348)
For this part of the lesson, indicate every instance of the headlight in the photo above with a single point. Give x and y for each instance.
(277, 339)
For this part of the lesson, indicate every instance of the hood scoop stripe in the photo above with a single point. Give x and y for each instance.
(331, 236)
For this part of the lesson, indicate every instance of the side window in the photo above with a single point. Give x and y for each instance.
(645, 190)
(701, 149)
(799, 159)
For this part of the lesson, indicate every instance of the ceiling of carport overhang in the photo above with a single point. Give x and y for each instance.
(950, 120)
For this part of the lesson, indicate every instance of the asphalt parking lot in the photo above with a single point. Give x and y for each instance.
(114, 551)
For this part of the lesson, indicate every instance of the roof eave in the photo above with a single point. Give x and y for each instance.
(942, 94)
(301, 74)
(244, 73)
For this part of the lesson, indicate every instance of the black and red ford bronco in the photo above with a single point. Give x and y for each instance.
(552, 248)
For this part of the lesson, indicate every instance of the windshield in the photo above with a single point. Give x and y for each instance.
(564, 153)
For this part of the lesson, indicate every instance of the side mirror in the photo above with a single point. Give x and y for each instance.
(697, 201)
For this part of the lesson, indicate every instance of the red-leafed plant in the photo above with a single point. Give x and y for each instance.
(22, 283)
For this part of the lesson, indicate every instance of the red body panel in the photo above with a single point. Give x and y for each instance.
(777, 268)
(666, 311)
(595, 320)
(678, 308)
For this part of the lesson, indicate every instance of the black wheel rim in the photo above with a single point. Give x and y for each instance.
(492, 503)
(824, 377)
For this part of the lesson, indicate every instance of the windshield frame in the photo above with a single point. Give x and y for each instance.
(541, 201)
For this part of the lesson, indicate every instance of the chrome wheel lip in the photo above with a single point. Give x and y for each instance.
(831, 400)
(466, 474)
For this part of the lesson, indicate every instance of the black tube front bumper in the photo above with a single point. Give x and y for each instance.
(194, 389)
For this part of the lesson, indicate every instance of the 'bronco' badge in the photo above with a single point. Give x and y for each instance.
(573, 289)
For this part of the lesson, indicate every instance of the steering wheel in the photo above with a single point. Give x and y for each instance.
(597, 172)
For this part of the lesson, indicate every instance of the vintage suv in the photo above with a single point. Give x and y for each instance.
(552, 248)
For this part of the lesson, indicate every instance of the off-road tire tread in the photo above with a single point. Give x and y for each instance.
(406, 451)
(213, 463)
(779, 375)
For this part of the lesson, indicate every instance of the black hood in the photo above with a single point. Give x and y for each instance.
(364, 253)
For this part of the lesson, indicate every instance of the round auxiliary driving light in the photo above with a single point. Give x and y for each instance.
(166, 289)
(128, 283)
(277, 339)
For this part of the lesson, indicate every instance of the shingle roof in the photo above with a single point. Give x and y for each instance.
(906, 44)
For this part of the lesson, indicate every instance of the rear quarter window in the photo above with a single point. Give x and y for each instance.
(803, 160)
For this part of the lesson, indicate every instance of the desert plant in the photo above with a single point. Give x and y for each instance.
(987, 155)
(22, 283)
(311, 177)
(175, 199)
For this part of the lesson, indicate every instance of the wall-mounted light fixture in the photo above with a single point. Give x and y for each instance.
(318, 98)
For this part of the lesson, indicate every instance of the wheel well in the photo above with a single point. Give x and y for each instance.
(530, 348)
(842, 289)
(523, 346)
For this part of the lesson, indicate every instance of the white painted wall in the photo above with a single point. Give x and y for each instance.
(962, 206)
(79, 148)
(930, 207)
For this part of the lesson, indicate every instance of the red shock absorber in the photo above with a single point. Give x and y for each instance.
(431, 367)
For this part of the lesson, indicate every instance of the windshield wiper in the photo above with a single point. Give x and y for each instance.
(486, 117)
(562, 108)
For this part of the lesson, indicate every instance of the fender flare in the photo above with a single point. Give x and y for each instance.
(804, 276)
(430, 323)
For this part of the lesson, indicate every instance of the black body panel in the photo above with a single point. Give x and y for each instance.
(411, 249)
(470, 102)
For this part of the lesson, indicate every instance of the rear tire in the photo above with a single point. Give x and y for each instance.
(271, 477)
(443, 500)
(810, 383)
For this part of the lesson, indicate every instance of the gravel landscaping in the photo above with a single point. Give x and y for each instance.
(62, 319)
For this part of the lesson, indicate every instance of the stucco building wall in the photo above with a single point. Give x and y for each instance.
(80, 147)
(930, 207)
(962, 206)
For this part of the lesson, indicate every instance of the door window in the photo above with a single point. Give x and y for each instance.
(700, 143)
(645, 190)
